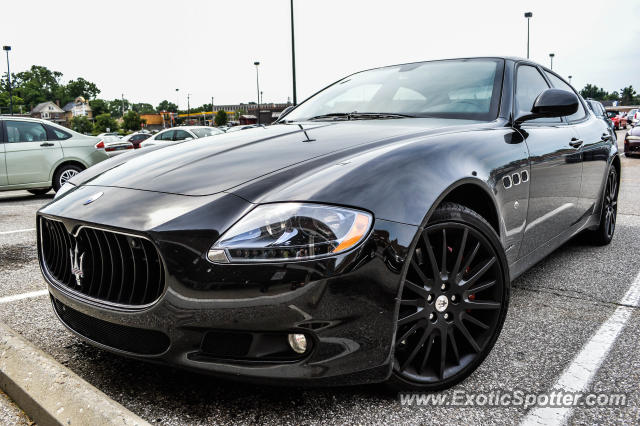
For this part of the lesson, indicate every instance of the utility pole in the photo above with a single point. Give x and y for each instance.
(212, 111)
(7, 49)
(528, 15)
(122, 97)
(293, 57)
(551, 55)
(570, 79)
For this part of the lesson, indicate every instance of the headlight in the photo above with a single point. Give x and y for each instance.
(63, 189)
(291, 231)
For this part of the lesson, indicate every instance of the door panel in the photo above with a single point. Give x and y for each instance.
(29, 155)
(596, 149)
(554, 191)
(3, 166)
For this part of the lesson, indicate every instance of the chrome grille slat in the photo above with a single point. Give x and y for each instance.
(128, 276)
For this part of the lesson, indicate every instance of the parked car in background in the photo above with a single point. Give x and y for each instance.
(619, 119)
(633, 117)
(632, 142)
(37, 155)
(243, 127)
(136, 138)
(102, 135)
(182, 133)
(113, 145)
(598, 110)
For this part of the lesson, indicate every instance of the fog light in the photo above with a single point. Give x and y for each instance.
(298, 343)
(217, 256)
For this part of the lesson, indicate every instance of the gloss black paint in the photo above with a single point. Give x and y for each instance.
(184, 196)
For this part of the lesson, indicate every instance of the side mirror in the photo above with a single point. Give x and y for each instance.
(285, 112)
(551, 103)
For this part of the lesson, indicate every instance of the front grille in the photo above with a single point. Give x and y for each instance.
(103, 265)
(130, 339)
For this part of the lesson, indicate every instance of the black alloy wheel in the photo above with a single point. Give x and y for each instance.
(604, 233)
(453, 302)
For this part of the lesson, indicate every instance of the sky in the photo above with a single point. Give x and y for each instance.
(148, 49)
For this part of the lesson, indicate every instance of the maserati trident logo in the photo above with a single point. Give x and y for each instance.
(76, 265)
(93, 198)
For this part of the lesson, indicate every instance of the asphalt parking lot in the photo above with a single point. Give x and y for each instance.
(556, 308)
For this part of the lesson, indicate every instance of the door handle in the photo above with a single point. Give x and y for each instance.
(46, 144)
(576, 143)
(606, 137)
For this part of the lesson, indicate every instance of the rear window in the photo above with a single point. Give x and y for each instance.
(204, 132)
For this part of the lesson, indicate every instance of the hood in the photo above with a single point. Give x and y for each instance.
(214, 164)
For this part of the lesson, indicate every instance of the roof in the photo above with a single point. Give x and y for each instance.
(68, 106)
(41, 106)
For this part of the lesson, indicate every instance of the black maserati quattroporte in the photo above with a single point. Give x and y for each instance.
(369, 235)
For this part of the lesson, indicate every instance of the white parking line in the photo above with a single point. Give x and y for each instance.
(17, 231)
(21, 296)
(580, 373)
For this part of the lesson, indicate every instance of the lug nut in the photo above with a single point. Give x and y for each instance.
(429, 298)
(446, 316)
(443, 286)
(453, 298)
(431, 316)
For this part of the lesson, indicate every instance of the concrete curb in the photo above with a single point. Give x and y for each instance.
(49, 392)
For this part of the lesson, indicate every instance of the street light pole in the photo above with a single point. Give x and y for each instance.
(212, 113)
(293, 57)
(551, 55)
(122, 97)
(7, 49)
(528, 15)
(570, 79)
(256, 63)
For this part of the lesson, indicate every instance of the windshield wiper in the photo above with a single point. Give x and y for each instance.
(359, 116)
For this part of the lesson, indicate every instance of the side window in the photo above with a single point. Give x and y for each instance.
(24, 131)
(55, 134)
(166, 136)
(181, 135)
(558, 83)
(529, 84)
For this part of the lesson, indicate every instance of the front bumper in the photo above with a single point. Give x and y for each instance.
(345, 305)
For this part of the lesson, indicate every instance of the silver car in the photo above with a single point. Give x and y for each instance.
(37, 155)
(183, 133)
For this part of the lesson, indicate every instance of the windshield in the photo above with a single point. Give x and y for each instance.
(204, 132)
(612, 114)
(464, 89)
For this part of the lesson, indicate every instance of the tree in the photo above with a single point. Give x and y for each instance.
(593, 92)
(81, 124)
(104, 122)
(99, 106)
(167, 106)
(81, 87)
(131, 121)
(221, 118)
(142, 108)
(115, 107)
(627, 94)
(38, 84)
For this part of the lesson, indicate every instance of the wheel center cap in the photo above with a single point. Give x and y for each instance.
(442, 303)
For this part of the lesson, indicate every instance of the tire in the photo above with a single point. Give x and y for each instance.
(607, 227)
(63, 174)
(39, 191)
(457, 310)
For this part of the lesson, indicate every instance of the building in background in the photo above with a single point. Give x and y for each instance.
(77, 108)
(49, 111)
